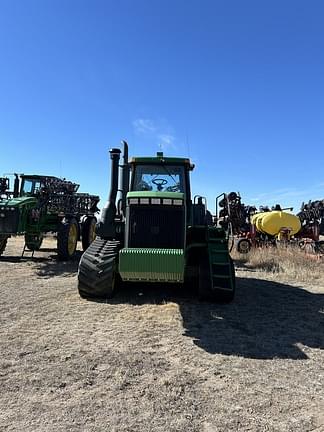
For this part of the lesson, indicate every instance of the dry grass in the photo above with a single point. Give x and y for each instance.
(283, 262)
(154, 359)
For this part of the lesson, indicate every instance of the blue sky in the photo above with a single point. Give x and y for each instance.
(236, 85)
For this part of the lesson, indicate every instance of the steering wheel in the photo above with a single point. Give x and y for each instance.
(159, 182)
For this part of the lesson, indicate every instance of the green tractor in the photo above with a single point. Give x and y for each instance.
(42, 204)
(156, 232)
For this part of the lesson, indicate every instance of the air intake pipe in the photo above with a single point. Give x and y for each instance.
(106, 227)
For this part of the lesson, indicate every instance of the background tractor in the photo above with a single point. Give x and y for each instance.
(155, 232)
(42, 204)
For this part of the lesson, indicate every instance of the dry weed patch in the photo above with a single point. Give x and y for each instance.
(289, 262)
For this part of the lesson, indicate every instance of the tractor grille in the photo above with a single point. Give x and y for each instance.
(157, 226)
(9, 220)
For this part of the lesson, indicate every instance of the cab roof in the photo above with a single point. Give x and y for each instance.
(159, 158)
(38, 177)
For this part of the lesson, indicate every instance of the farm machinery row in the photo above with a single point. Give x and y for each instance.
(150, 230)
(42, 204)
(249, 227)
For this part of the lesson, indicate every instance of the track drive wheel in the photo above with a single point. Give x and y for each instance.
(33, 242)
(3, 244)
(97, 275)
(67, 238)
(88, 232)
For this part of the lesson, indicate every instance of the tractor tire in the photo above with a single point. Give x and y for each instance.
(3, 244)
(205, 282)
(33, 242)
(232, 196)
(319, 247)
(88, 232)
(222, 213)
(97, 275)
(243, 246)
(67, 239)
(321, 227)
(222, 202)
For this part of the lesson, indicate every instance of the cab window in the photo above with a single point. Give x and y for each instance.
(30, 187)
(27, 187)
(159, 178)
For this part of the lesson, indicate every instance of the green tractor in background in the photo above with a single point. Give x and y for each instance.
(156, 233)
(42, 204)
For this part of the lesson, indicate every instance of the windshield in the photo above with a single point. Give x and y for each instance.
(159, 178)
(30, 187)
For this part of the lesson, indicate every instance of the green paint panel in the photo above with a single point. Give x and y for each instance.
(18, 202)
(151, 194)
(151, 265)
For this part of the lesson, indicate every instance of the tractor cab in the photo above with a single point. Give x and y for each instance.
(36, 185)
(165, 181)
(161, 174)
(30, 185)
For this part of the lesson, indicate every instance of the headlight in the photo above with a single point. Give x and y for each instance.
(12, 209)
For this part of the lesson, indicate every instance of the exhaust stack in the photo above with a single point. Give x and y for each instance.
(16, 186)
(106, 227)
(124, 178)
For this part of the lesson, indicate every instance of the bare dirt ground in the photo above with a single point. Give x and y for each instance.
(154, 358)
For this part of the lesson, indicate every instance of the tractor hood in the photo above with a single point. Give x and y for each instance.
(17, 202)
(13, 214)
(155, 220)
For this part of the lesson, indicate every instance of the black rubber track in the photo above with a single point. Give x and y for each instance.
(97, 269)
(3, 244)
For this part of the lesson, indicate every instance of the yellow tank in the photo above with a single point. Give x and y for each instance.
(274, 222)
